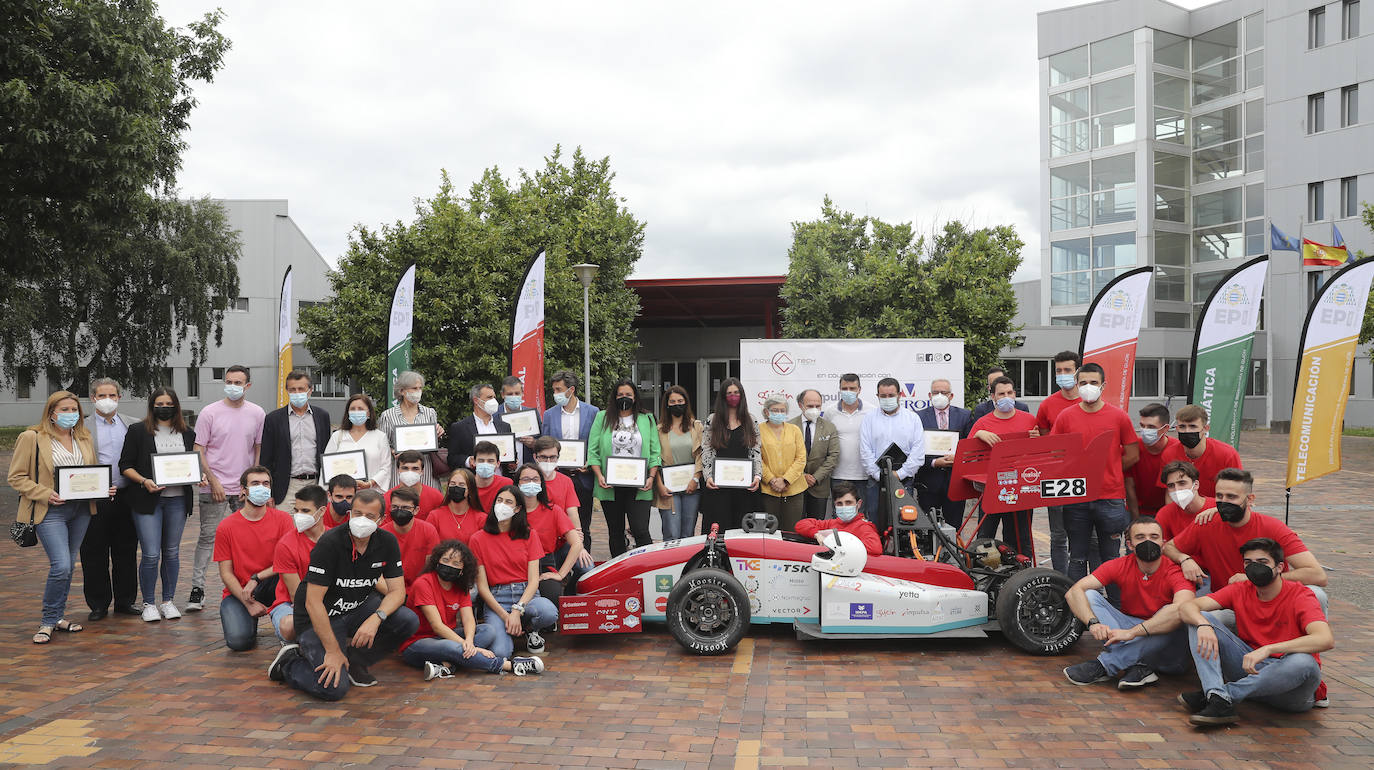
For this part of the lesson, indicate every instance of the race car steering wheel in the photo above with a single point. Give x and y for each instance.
(766, 523)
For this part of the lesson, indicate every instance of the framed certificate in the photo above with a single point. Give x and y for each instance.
(941, 442)
(627, 471)
(504, 442)
(733, 473)
(677, 477)
(522, 423)
(572, 454)
(421, 437)
(84, 482)
(171, 469)
(350, 463)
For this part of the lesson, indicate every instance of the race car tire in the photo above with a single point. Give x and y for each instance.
(1033, 613)
(708, 611)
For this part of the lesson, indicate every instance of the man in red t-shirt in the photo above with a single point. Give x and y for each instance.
(486, 458)
(410, 466)
(1180, 481)
(1144, 494)
(1006, 420)
(1107, 515)
(847, 519)
(1274, 654)
(291, 558)
(1066, 363)
(416, 536)
(1145, 635)
(1208, 455)
(245, 542)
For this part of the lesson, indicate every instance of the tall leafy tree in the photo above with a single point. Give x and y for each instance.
(1367, 330)
(470, 253)
(853, 276)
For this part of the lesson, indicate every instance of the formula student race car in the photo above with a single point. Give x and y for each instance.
(710, 588)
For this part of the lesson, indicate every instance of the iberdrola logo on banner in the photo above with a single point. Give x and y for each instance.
(1111, 330)
(1223, 345)
(398, 332)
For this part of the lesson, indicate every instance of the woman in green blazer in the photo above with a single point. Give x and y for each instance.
(624, 429)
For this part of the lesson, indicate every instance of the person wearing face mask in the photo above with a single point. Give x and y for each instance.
(293, 440)
(508, 554)
(1186, 504)
(624, 429)
(848, 419)
(933, 477)
(1006, 420)
(408, 389)
(561, 541)
(409, 472)
(984, 408)
(562, 491)
(570, 419)
(358, 430)
(109, 552)
(442, 599)
(344, 623)
(848, 518)
(1145, 635)
(229, 438)
(159, 512)
(784, 461)
(891, 424)
(513, 400)
(485, 465)
(341, 491)
(57, 440)
(1144, 494)
(461, 516)
(291, 559)
(1274, 654)
(1106, 516)
(464, 435)
(416, 536)
(822, 444)
(245, 545)
(679, 439)
(729, 432)
(1066, 363)
(1208, 455)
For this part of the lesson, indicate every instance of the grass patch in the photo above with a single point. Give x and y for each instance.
(1366, 432)
(8, 434)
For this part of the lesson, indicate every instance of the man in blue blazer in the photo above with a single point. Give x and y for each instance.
(570, 419)
(933, 476)
(293, 440)
(984, 407)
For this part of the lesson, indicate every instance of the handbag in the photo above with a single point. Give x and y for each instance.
(22, 533)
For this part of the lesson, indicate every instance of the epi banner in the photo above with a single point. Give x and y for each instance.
(1222, 348)
(284, 338)
(398, 332)
(527, 334)
(1326, 361)
(1111, 330)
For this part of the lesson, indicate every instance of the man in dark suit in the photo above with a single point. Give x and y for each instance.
(984, 407)
(293, 440)
(822, 453)
(109, 553)
(513, 400)
(462, 435)
(570, 419)
(933, 477)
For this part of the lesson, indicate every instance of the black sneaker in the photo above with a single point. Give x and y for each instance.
(359, 675)
(197, 601)
(1138, 675)
(534, 643)
(1193, 701)
(1219, 711)
(523, 666)
(1086, 673)
(277, 670)
(437, 671)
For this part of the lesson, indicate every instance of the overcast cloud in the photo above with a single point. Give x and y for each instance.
(724, 122)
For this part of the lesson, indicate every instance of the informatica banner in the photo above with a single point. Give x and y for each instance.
(1111, 330)
(1222, 348)
(788, 367)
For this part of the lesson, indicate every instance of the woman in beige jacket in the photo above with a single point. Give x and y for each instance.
(59, 439)
(680, 443)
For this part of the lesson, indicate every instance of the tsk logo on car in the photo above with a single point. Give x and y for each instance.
(860, 611)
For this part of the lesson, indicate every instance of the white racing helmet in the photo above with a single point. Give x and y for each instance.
(846, 556)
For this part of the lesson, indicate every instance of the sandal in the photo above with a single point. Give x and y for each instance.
(43, 636)
(70, 627)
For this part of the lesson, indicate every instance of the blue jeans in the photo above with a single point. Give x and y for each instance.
(283, 610)
(682, 520)
(300, 670)
(1286, 683)
(432, 649)
(61, 532)
(1108, 519)
(1167, 652)
(240, 627)
(159, 537)
(540, 614)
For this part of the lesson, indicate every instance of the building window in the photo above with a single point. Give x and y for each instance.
(1216, 63)
(1217, 143)
(1171, 248)
(1067, 320)
(217, 373)
(1350, 197)
(1171, 107)
(1145, 381)
(1035, 380)
(1112, 53)
(1069, 197)
(1171, 183)
(1316, 27)
(1081, 266)
(236, 305)
(1203, 283)
(1170, 284)
(1171, 51)
(1259, 372)
(1350, 105)
(1315, 279)
(1211, 244)
(1316, 113)
(1217, 208)
(1069, 66)
(1165, 320)
(1176, 377)
(1350, 19)
(24, 382)
(193, 382)
(1113, 112)
(1316, 201)
(324, 385)
(1113, 182)
(1069, 127)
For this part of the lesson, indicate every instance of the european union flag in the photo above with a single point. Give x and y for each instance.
(1280, 242)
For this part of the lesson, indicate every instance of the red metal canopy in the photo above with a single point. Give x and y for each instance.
(704, 302)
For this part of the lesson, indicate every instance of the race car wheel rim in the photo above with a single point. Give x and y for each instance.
(1043, 612)
(708, 611)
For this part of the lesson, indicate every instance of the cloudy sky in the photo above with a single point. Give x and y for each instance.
(725, 122)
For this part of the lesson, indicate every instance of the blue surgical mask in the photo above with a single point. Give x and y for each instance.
(777, 418)
(357, 418)
(486, 470)
(298, 400)
(259, 495)
(889, 403)
(849, 396)
(515, 402)
(1065, 381)
(66, 420)
(1005, 404)
(846, 513)
(234, 392)
(1148, 435)
(560, 398)
(530, 488)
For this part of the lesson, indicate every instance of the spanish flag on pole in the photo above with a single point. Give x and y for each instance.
(1318, 255)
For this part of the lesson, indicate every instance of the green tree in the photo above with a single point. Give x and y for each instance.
(852, 276)
(470, 254)
(1367, 330)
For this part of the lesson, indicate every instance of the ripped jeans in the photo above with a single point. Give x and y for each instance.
(1106, 517)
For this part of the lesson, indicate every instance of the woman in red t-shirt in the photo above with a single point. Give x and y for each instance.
(461, 516)
(561, 541)
(442, 597)
(508, 554)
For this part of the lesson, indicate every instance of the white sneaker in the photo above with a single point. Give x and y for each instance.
(150, 613)
(437, 671)
(523, 666)
(169, 610)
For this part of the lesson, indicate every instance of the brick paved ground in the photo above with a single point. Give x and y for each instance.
(126, 694)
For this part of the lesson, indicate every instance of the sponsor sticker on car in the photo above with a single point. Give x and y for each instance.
(663, 583)
(860, 611)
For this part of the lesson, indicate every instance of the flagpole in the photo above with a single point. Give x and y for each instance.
(1269, 347)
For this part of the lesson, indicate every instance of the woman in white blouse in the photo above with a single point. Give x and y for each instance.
(409, 388)
(358, 430)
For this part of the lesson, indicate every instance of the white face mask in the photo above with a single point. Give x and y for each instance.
(1182, 497)
(490, 406)
(939, 401)
(811, 414)
(361, 527)
(408, 478)
(503, 511)
(413, 396)
(1090, 393)
(304, 521)
(106, 405)
(548, 469)
(888, 403)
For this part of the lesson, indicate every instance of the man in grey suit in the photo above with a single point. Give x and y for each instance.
(109, 554)
(822, 453)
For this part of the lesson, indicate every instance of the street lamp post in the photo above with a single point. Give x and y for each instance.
(585, 273)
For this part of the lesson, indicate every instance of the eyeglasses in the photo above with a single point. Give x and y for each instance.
(546, 458)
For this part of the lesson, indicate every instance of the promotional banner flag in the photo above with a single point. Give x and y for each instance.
(284, 338)
(1326, 361)
(527, 333)
(1339, 242)
(1278, 241)
(1222, 346)
(398, 332)
(1111, 329)
(1315, 254)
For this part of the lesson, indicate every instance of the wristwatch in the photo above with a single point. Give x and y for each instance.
(517, 607)
(1091, 622)
(381, 614)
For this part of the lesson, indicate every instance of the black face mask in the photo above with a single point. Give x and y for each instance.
(402, 516)
(342, 507)
(677, 410)
(448, 574)
(1148, 550)
(164, 412)
(1260, 574)
(625, 404)
(1190, 439)
(1230, 512)
(457, 494)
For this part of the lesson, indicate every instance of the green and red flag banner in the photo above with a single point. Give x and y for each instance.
(398, 332)
(527, 333)
(1223, 345)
